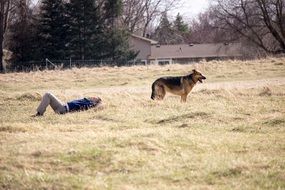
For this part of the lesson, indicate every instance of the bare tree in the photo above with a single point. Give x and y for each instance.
(138, 15)
(259, 21)
(205, 29)
(202, 29)
(133, 12)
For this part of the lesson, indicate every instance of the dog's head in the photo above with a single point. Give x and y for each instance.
(198, 76)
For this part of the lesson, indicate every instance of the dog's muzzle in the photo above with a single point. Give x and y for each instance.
(201, 79)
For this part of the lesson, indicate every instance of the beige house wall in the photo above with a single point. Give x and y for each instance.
(143, 47)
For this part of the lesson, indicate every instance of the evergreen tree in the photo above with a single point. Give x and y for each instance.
(22, 35)
(181, 30)
(171, 33)
(52, 29)
(179, 24)
(86, 30)
(117, 47)
(164, 33)
(113, 9)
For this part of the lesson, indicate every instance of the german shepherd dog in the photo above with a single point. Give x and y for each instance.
(181, 85)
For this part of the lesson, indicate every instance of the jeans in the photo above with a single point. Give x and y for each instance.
(56, 104)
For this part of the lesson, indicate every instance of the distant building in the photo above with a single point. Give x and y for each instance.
(151, 52)
(143, 45)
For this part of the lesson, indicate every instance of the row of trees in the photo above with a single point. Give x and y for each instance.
(78, 29)
(257, 23)
(98, 29)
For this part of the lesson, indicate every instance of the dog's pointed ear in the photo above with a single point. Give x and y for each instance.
(194, 71)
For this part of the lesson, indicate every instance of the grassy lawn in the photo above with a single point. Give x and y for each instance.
(224, 137)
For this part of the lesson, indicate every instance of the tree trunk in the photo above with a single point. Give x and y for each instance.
(4, 14)
(2, 70)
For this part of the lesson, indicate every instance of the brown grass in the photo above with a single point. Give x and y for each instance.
(229, 134)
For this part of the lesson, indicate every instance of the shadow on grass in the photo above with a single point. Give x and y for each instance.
(274, 122)
(11, 129)
(180, 118)
(104, 118)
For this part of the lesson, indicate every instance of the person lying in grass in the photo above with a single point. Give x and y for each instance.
(62, 108)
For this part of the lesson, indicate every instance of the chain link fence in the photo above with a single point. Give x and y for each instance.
(67, 64)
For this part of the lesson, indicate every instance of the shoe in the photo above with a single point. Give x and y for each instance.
(37, 115)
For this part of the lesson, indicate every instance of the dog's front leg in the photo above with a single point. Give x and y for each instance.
(183, 98)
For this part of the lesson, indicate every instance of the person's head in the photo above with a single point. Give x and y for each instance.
(95, 99)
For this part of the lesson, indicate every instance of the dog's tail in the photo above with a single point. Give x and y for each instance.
(153, 91)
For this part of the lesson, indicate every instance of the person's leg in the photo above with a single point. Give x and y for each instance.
(50, 99)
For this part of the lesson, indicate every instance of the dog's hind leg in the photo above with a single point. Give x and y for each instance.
(157, 92)
(162, 92)
(153, 94)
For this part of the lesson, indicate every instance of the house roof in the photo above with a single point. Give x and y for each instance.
(152, 42)
(195, 51)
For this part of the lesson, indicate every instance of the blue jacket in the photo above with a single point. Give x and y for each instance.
(81, 104)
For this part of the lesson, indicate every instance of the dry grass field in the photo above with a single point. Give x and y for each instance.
(229, 135)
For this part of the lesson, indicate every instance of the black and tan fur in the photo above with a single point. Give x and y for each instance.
(181, 85)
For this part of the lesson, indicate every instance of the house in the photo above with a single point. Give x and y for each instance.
(184, 53)
(152, 52)
(143, 46)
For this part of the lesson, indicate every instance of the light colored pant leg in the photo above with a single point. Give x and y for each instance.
(50, 99)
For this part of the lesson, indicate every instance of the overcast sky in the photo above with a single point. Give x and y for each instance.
(187, 8)
(191, 8)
